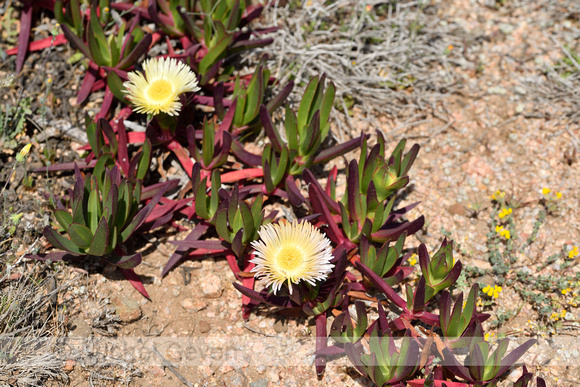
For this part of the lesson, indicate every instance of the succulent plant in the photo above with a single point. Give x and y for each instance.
(458, 325)
(386, 365)
(481, 366)
(441, 271)
(105, 213)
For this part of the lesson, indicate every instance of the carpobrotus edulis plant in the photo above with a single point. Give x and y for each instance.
(291, 252)
(158, 90)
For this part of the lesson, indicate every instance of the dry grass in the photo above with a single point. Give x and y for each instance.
(28, 330)
(393, 58)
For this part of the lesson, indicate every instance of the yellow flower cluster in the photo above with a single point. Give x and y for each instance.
(505, 212)
(546, 191)
(566, 291)
(492, 291)
(503, 232)
(556, 316)
(573, 253)
(412, 259)
(488, 336)
(498, 195)
(571, 291)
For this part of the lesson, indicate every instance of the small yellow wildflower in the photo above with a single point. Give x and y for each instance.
(505, 212)
(412, 259)
(563, 313)
(488, 336)
(503, 232)
(546, 191)
(492, 291)
(450, 47)
(21, 156)
(565, 291)
(498, 195)
(558, 195)
(555, 316)
(573, 253)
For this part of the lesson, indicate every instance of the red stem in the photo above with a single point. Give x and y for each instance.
(250, 173)
(321, 340)
(182, 155)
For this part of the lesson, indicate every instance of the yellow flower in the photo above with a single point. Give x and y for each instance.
(291, 252)
(498, 195)
(503, 232)
(546, 191)
(159, 89)
(565, 291)
(21, 156)
(573, 253)
(505, 212)
(492, 291)
(412, 259)
(558, 195)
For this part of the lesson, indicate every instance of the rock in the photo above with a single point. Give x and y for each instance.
(457, 209)
(157, 372)
(80, 328)
(235, 379)
(212, 286)
(190, 304)
(259, 383)
(203, 326)
(69, 365)
(506, 28)
(128, 310)
(477, 166)
(497, 90)
(281, 326)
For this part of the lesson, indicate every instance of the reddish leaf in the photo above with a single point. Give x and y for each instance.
(24, 36)
(134, 279)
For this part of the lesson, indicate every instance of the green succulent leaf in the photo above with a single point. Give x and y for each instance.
(80, 235)
(100, 240)
(61, 242)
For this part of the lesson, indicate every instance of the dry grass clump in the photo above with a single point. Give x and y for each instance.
(396, 57)
(28, 330)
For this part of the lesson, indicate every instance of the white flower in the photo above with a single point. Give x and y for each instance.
(291, 252)
(159, 89)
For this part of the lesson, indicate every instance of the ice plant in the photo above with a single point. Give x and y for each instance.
(158, 90)
(291, 252)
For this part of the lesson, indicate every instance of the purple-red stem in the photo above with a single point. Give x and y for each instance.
(321, 340)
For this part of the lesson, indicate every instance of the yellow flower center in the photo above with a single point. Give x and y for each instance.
(160, 90)
(289, 258)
